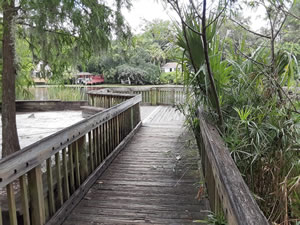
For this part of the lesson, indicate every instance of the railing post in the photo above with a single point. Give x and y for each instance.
(37, 204)
(153, 96)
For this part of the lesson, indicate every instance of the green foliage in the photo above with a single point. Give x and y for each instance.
(62, 33)
(261, 127)
(171, 78)
(139, 57)
(213, 219)
(145, 74)
(130, 75)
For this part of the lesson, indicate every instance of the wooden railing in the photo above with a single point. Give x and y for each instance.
(162, 95)
(43, 182)
(154, 95)
(228, 193)
(106, 100)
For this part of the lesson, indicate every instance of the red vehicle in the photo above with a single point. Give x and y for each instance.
(97, 79)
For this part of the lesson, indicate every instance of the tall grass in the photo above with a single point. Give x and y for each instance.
(51, 93)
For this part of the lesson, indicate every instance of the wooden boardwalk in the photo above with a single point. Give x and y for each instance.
(150, 181)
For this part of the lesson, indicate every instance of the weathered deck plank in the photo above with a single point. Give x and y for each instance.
(144, 184)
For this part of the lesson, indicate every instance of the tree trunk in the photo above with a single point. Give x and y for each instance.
(209, 71)
(10, 141)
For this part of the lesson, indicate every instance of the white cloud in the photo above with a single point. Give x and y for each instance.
(146, 10)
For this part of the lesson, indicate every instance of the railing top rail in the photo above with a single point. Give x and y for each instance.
(101, 92)
(238, 202)
(142, 88)
(47, 101)
(22, 161)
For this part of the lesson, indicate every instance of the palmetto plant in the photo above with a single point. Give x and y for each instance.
(261, 121)
(263, 136)
(261, 133)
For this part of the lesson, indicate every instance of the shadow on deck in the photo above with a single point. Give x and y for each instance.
(153, 180)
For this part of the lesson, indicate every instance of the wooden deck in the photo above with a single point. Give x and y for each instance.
(154, 180)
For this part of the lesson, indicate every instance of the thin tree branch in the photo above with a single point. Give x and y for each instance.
(177, 9)
(282, 8)
(220, 13)
(271, 78)
(245, 28)
(252, 60)
(281, 26)
(194, 7)
(44, 29)
(209, 71)
(191, 28)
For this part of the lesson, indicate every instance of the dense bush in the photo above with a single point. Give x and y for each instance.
(171, 78)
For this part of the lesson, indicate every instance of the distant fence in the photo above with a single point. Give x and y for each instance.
(154, 95)
(228, 193)
(43, 182)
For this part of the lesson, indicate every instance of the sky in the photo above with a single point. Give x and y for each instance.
(152, 9)
(146, 10)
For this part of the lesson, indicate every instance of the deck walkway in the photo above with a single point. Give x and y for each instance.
(149, 182)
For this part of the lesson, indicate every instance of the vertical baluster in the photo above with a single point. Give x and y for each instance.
(83, 158)
(99, 144)
(37, 205)
(11, 204)
(1, 220)
(92, 97)
(110, 136)
(50, 187)
(58, 179)
(147, 94)
(91, 152)
(104, 140)
(71, 166)
(24, 199)
(127, 121)
(95, 148)
(107, 138)
(118, 130)
(115, 132)
(123, 125)
(77, 169)
(113, 137)
(134, 115)
(66, 175)
(131, 117)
